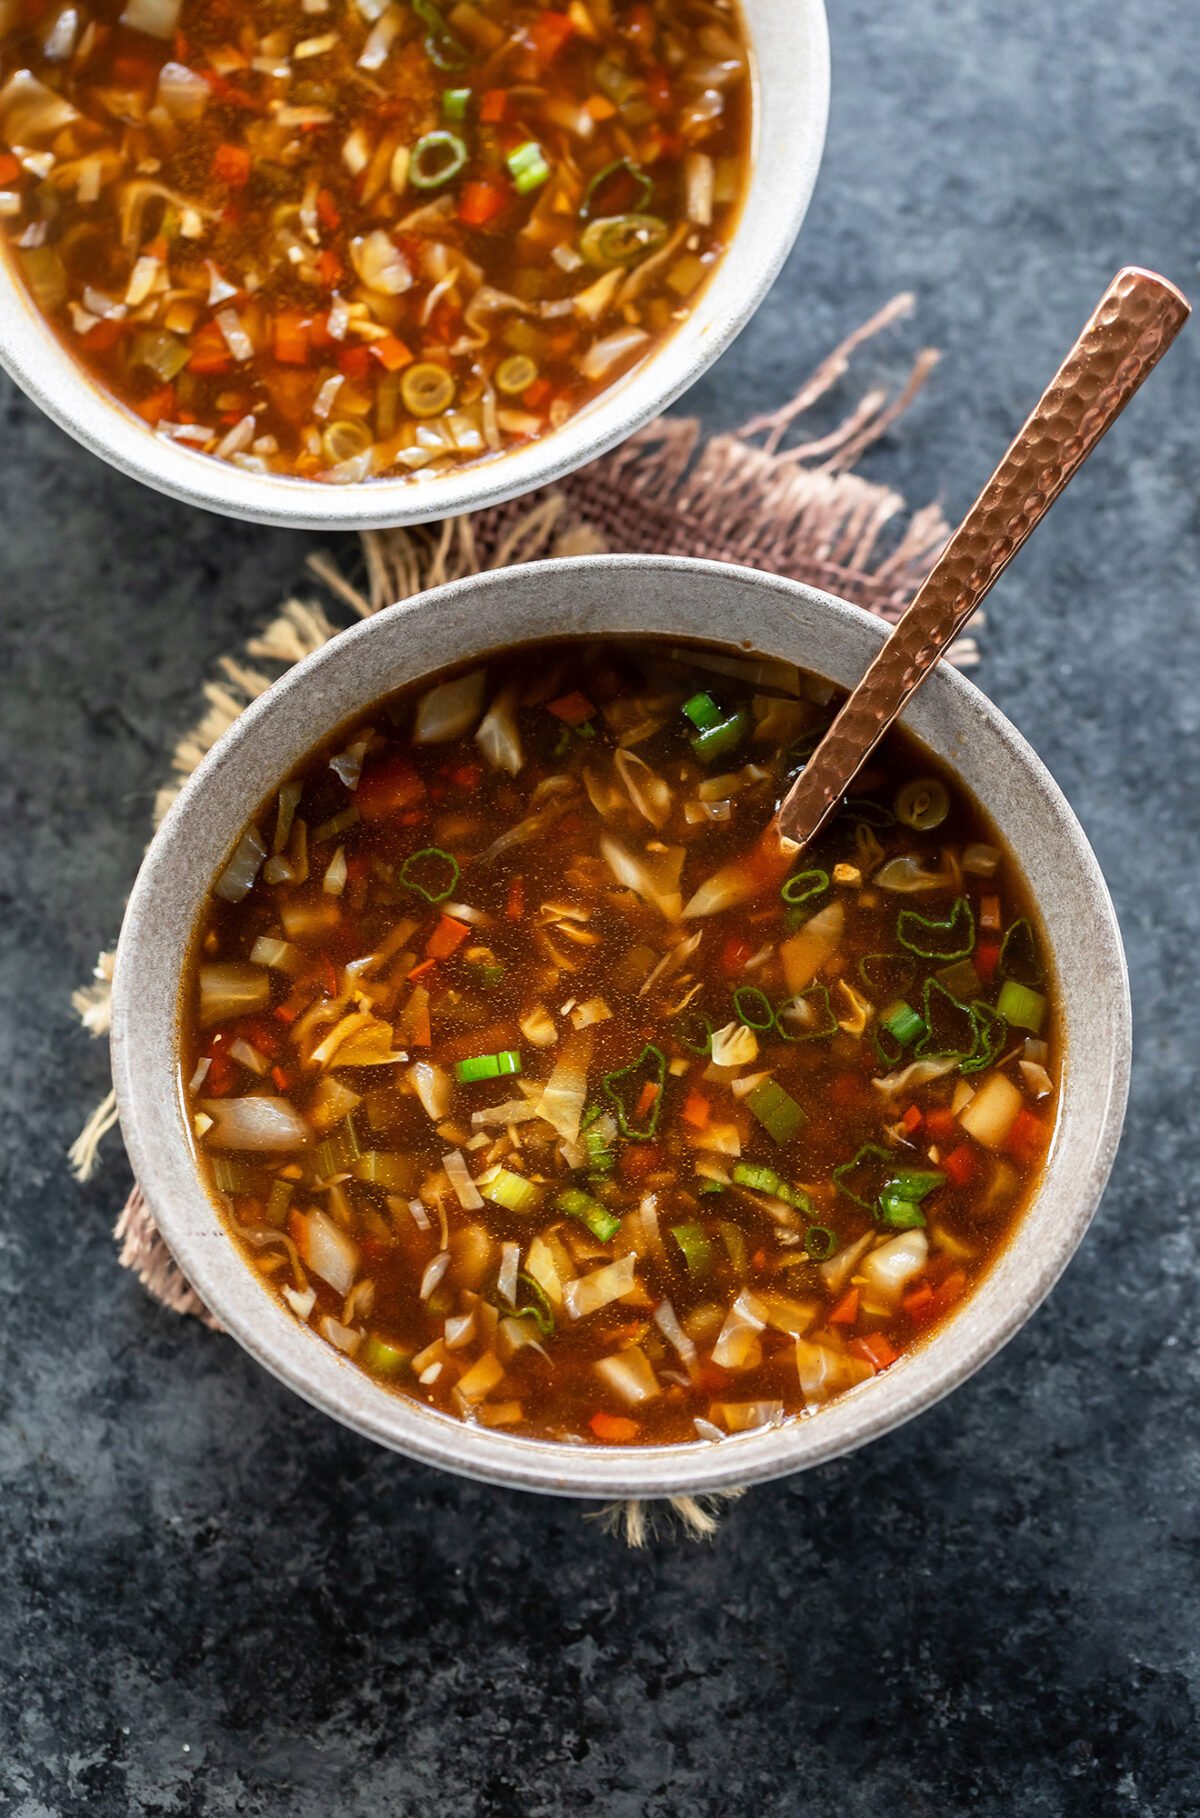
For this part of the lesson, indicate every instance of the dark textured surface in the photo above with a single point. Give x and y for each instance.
(212, 1601)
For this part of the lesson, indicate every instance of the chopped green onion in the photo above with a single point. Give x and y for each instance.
(903, 1214)
(804, 884)
(510, 1190)
(923, 803)
(719, 740)
(734, 1239)
(695, 1032)
(441, 46)
(232, 1175)
(877, 1163)
(711, 1186)
(871, 814)
(645, 191)
(1019, 958)
(991, 1032)
(904, 1023)
(930, 939)
(340, 1150)
(961, 980)
(820, 1242)
(703, 712)
(602, 1223)
(601, 1159)
(1020, 1006)
(383, 1358)
(950, 1027)
(278, 1202)
(384, 1168)
(887, 973)
(486, 971)
(776, 1110)
(767, 1180)
(753, 1007)
(621, 239)
(435, 159)
(488, 1066)
(528, 166)
(824, 1023)
(915, 1183)
(651, 1064)
(455, 102)
(539, 1309)
(696, 1246)
(431, 894)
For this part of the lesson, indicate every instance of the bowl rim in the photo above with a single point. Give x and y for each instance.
(61, 387)
(145, 1002)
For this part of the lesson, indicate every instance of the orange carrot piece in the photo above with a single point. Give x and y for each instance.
(391, 353)
(846, 1311)
(291, 338)
(515, 907)
(573, 709)
(876, 1348)
(646, 1097)
(696, 1110)
(614, 1428)
(447, 937)
(231, 164)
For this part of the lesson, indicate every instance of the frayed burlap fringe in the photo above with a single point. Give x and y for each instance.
(752, 497)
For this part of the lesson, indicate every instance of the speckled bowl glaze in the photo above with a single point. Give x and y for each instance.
(791, 78)
(620, 595)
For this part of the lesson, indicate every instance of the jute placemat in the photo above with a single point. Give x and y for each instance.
(758, 496)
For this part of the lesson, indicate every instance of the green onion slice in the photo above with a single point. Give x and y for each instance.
(623, 1088)
(696, 1246)
(753, 1007)
(488, 1066)
(820, 1242)
(758, 1179)
(621, 239)
(804, 884)
(1019, 957)
(871, 814)
(796, 1023)
(888, 974)
(512, 1191)
(864, 1178)
(903, 1214)
(602, 1223)
(694, 1031)
(720, 740)
(441, 46)
(703, 712)
(644, 183)
(991, 1033)
(432, 891)
(1020, 1006)
(950, 1027)
(528, 167)
(931, 939)
(436, 158)
(776, 1110)
(916, 1183)
(539, 1308)
(455, 102)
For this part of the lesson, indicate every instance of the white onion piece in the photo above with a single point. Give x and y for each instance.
(888, 1270)
(183, 93)
(255, 1124)
(506, 1278)
(563, 1095)
(734, 1046)
(301, 1304)
(629, 1375)
(449, 710)
(667, 1323)
(602, 355)
(650, 795)
(907, 876)
(737, 1344)
(455, 1164)
(59, 41)
(699, 176)
(653, 875)
(238, 877)
(917, 1073)
(499, 736)
(157, 18)
(380, 263)
(433, 1273)
(30, 111)
(343, 1338)
(601, 1287)
(433, 1086)
(234, 335)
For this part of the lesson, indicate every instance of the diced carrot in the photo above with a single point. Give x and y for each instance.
(911, 1119)
(391, 353)
(104, 335)
(327, 211)
(960, 1166)
(949, 1291)
(1026, 1137)
(285, 1013)
(940, 1123)
(480, 203)
(220, 1075)
(209, 354)
(329, 267)
(158, 405)
(638, 1160)
(291, 338)
(614, 1427)
(876, 1347)
(515, 906)
(447, 937)
(281, 1078)
(735, 953)
(659, 92)
(599, 107)
(989, 914)
(467, 776)
(846, 1311)
(386, 786)
(231, 164)
(573, 709)
(492, 106)
(420, 1029)
(647, 1098)
(696, 1110)
(759, 1260)
(537, 394)
(987, 958)
(549, 33)
(329, 975)
(422, 969)
(919, 1304)
(354, 362)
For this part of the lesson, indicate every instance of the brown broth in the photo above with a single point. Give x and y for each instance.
(765, 1274)
(253, 242)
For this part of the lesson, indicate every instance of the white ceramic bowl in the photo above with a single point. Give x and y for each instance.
(629, 595)
(791, 72)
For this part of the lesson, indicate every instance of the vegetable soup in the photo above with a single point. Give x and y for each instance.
(349, 238)
(497, 1113)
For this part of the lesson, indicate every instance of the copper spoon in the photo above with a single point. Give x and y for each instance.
(1130, 329)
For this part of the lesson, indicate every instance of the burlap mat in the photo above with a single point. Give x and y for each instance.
(758, 496)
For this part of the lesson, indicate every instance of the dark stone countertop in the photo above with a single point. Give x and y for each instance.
(212, 1600)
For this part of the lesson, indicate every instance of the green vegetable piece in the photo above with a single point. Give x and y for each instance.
(820, 1242)
(753, 1007)
(930, 939)
(651, 1064)
(1019, 956)
(710, 1186)
(758, 1179)
(736, 1247)
(701, 710)
(696, 1246)
(488, 1066)
(991, 1033)
(339, 1151)
(528, 166)
(695, 1032)
(601, 1159)
(512, 1191)
(441, 46)
(539, 1308)
(723, 738)
(803, 884)
(279, 1202)
(383, 1358)
(645, 191)
(887, 974)
(864, 1178)
(455, 102)
(916, 1183)
(905, 1023)
(436, 158)
(433, 889)
(776, 1110)
(795, 1024)
(602, 1223)
(871, 814)
(1020, 1006)
(961, 980)
(950, 1027)
(621, 239)
(903, 1214)
(232, 1175)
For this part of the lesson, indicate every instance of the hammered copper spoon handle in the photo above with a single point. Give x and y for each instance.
(1131, 328)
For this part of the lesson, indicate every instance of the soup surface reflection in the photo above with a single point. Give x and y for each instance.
(492, 1109)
